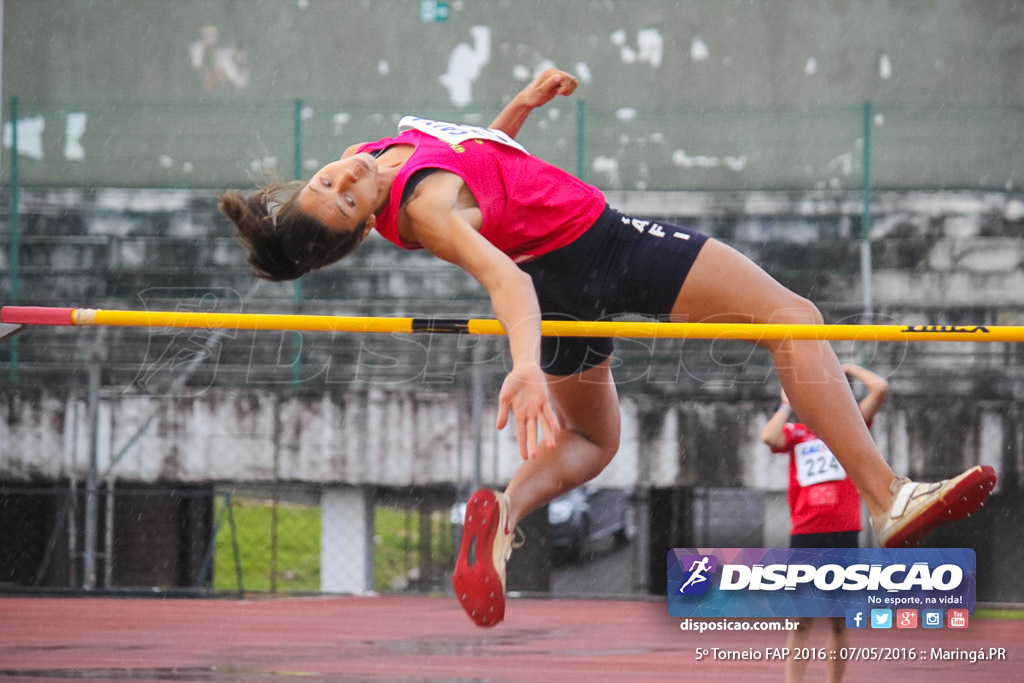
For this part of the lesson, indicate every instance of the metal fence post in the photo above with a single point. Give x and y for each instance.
(581, 151)
(297, 175)
(476, 413)
(865, 235)
(91, 494)
(15, 245)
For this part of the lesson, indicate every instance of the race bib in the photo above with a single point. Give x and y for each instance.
(815, 464)
(457, 133)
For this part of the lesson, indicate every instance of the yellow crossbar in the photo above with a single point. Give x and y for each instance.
(29, 315)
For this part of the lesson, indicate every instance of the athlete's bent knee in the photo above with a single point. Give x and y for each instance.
(603, 449)
(797, 311)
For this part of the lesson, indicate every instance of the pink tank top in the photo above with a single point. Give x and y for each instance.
(529, 207)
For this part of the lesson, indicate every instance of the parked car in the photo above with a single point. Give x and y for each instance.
(584, 515)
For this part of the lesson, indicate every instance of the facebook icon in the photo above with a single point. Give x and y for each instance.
(855, 618)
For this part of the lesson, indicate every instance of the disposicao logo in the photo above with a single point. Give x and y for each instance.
(697, 580)
(815, 582)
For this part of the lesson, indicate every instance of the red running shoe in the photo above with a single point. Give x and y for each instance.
(479, 578)
(918, 508)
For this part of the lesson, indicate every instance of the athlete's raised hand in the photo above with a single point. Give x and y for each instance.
(540, 91)
(546, 86)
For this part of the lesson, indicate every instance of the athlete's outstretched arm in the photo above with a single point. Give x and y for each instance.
(443, 226)
(774, 434)
(543, 89)
(877, 386)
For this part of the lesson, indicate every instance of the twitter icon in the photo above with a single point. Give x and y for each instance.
(881, 618)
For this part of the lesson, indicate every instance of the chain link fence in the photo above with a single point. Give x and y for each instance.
(889, 144)
(205, 540)
(277, 541)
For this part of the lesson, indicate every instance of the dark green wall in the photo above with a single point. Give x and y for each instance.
(951, 51)
(772, 100)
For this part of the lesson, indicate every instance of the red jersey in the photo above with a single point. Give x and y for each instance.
(529, 207)
(822, 498)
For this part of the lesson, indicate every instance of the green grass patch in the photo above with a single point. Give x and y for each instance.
(396, 535)
(396, 547)
(297, 560)
(396, 559)
(994, 613)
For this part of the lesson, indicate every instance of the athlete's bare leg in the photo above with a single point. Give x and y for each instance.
(587, 407)
(588, 413)
(725, 286)
(796, 663)
(795, 667)
(835, 668)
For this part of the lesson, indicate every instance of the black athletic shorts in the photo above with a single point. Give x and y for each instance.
(834, 539)
(619, 266)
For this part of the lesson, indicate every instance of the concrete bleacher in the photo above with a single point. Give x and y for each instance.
(344, 414)
(947, 258)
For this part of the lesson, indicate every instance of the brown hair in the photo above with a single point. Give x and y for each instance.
(283, 242)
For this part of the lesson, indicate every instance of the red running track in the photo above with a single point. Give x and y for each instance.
(428, 639)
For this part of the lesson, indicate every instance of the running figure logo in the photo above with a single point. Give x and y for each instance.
(698, 567)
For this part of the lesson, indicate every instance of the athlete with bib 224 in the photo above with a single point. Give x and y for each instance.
(544, 244)
(824, 508)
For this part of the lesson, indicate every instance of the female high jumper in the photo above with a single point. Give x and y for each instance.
(544, 244)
